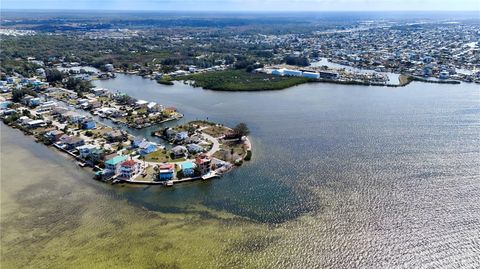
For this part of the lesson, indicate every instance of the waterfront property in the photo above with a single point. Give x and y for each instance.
(203, 164)
(147, 147)
(129, 169)
(112, 166)
(188, 169)
(85, 150)
(112, 151)
(166, 172)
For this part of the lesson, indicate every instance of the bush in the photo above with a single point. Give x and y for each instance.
(248, 157)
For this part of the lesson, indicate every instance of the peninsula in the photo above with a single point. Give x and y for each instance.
(71, 121)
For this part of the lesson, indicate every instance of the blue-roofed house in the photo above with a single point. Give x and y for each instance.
(179, 137)
(147, 147)
(89, 124)
(137, 141)
(194, 148)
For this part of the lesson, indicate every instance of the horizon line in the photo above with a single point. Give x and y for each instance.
(239, 11)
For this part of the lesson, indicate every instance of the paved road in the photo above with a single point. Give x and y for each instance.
(216, 144)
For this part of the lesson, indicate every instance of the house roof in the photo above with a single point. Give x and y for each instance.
(117, 159)
(146, 144)
(194, 147)
(33, 122)
(141, 102)
(188, 165)
(129, 163)
(88, 146)
(179, 149)
(73, 140)
(166, 166)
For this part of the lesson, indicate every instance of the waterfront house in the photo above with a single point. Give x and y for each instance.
(35, 124)
(23, 120)
(53, 136)
(179, 152)
(96, 155)
(203, 163)
(129, 168)
(444, 75)
(74, 118)
(141, 104)
(165, 172)
(73, 142)
(169, 133)
(99, 91)
(181, 136)
(188, 169)
(147, 147)
(194, 148)
(137, 141)
(113, 165)
(85, 150)
(153, 107)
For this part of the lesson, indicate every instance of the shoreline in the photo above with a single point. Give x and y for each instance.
(96, 145)
(81, 162)
(407, 79)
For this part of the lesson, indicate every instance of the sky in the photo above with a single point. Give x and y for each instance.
(246, 5)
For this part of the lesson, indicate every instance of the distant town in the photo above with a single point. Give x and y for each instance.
(271, 52)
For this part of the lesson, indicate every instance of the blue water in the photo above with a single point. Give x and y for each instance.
(375, 142)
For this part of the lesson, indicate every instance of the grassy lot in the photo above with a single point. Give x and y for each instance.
(240, 80)
(161, 156)
(225, 152)
(101, 130)
(216, 131)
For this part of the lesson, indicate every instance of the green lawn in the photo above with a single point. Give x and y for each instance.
(216, 131)
(161, 156)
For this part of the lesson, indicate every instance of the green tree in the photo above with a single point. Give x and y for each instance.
(53, 75)
(241, 130)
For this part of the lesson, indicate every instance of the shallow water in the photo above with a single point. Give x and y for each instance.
(342, 176)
